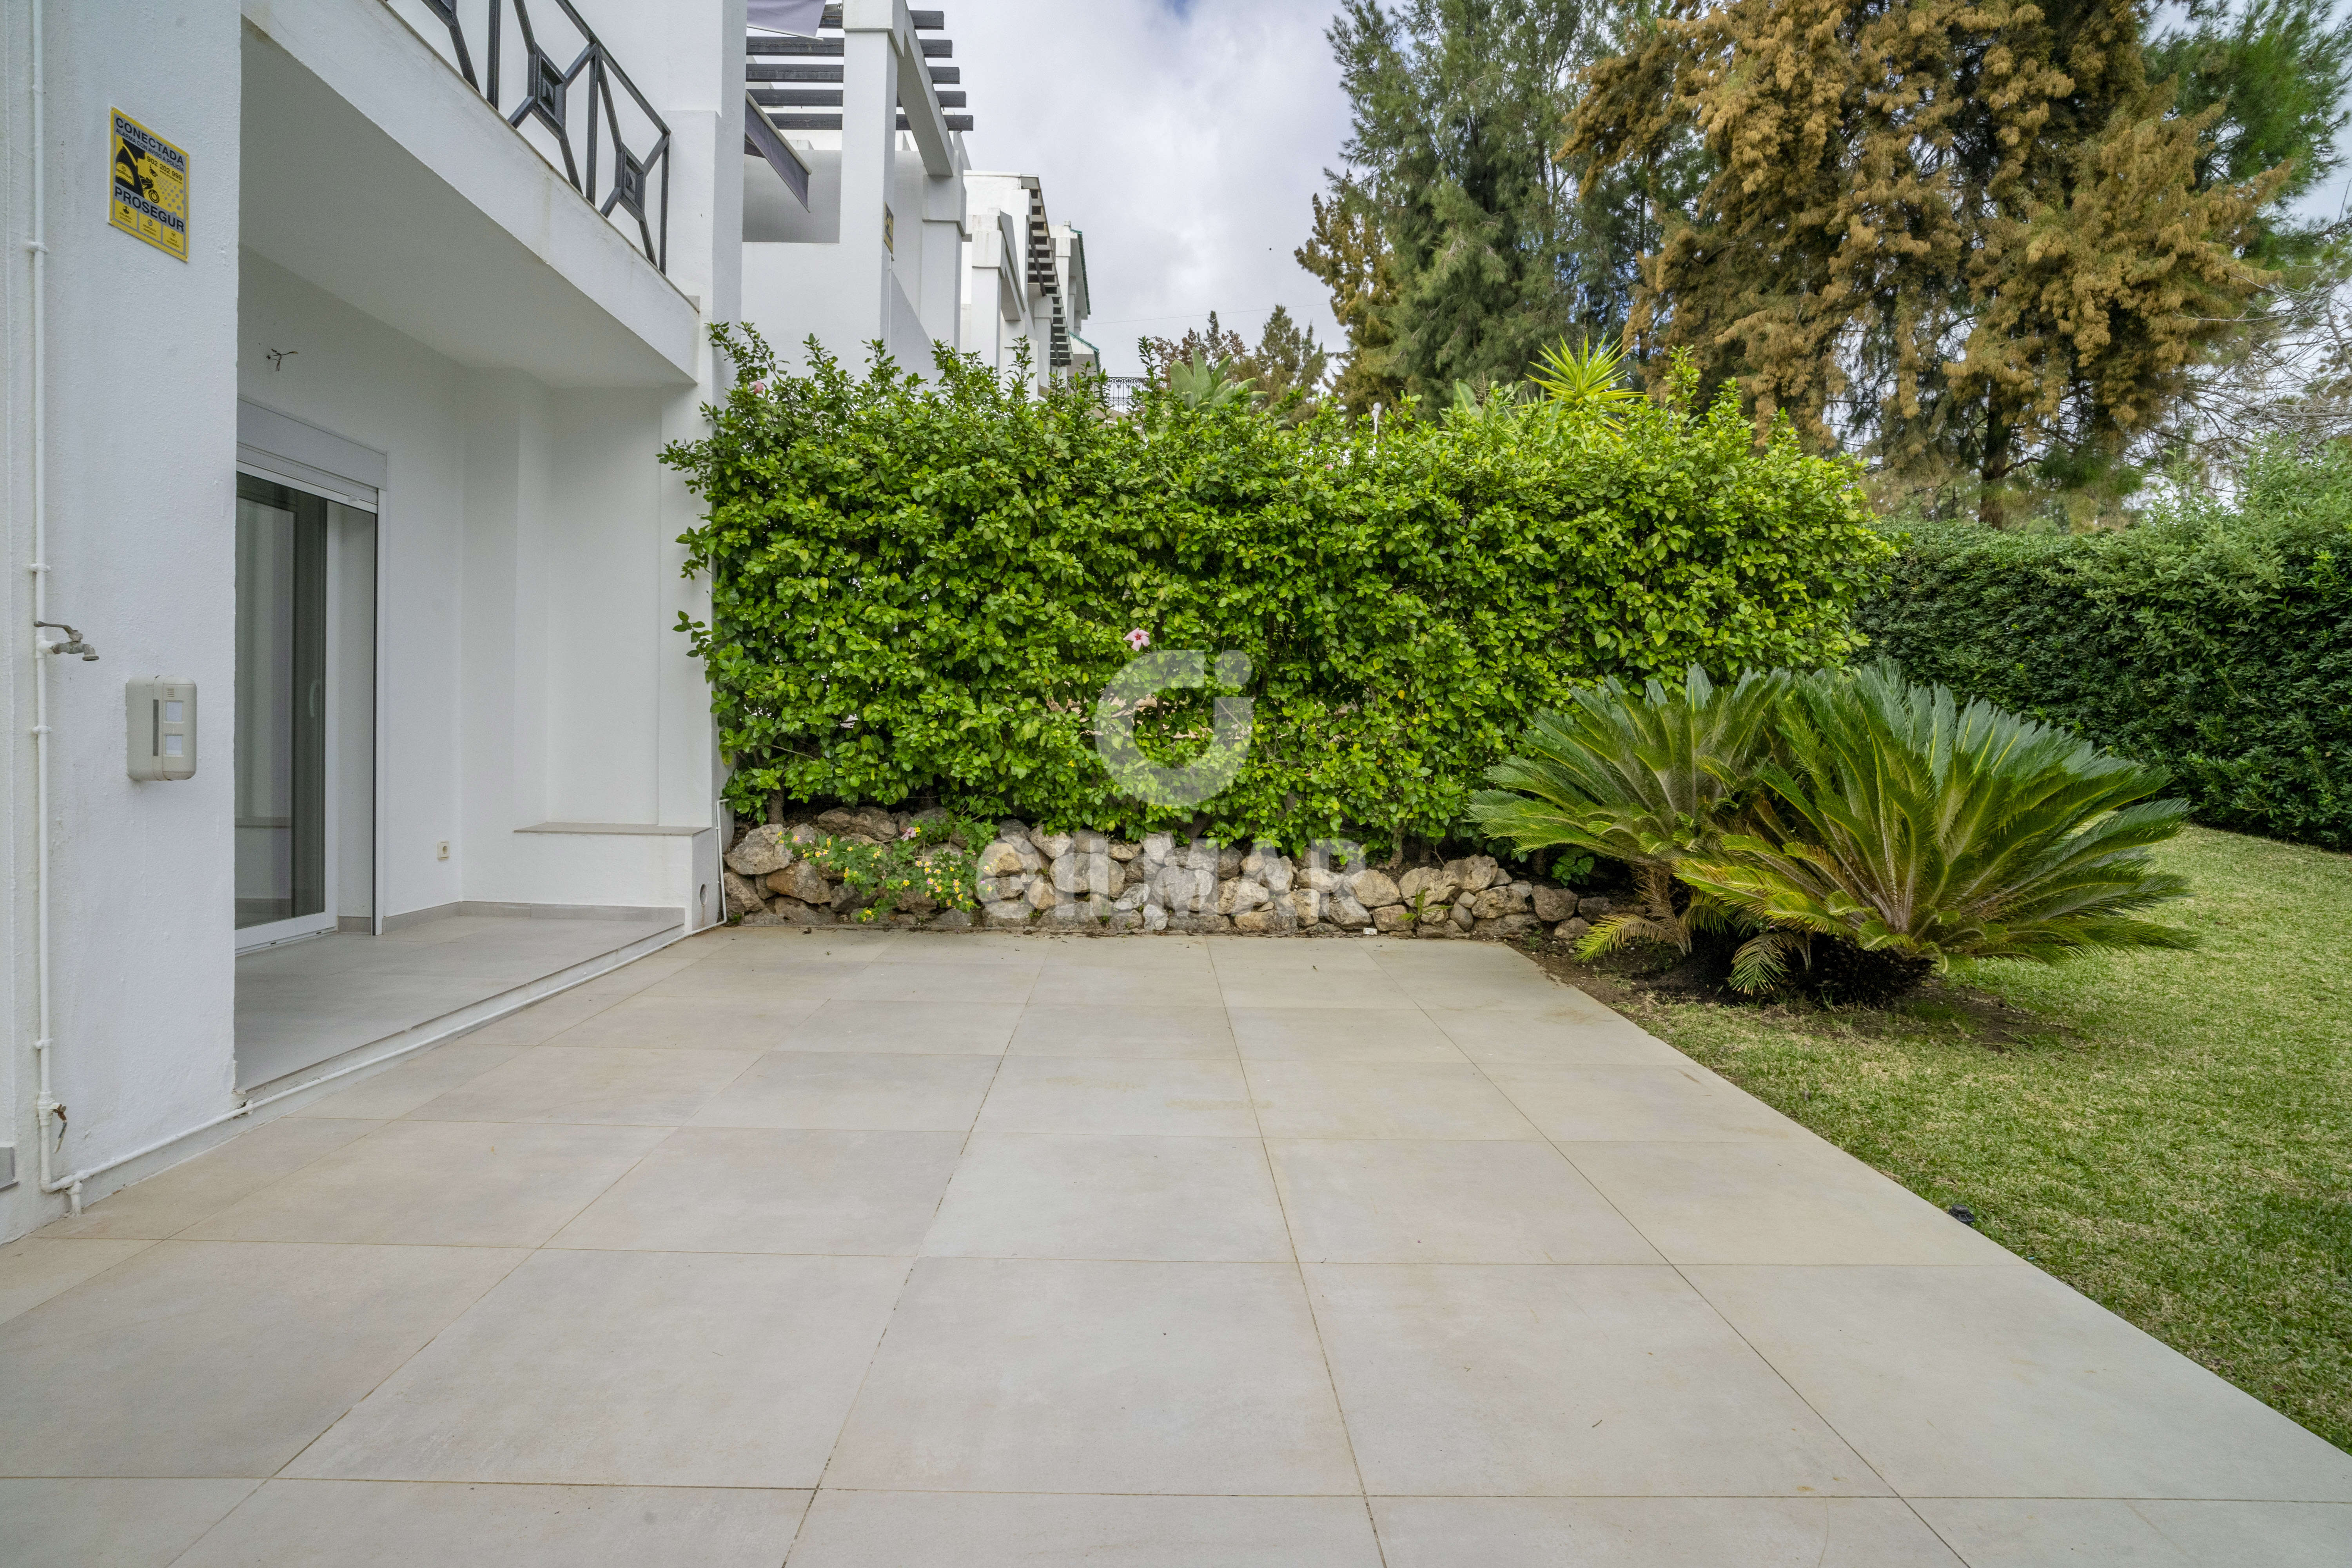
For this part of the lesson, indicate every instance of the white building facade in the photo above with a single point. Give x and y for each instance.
(343, 337)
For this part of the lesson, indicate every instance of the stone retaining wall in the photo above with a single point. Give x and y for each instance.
(1029, 878)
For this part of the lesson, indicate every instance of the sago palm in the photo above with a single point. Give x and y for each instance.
(1647, 778)
(1909, 825)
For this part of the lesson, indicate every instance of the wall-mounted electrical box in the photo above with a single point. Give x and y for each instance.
(160, 728)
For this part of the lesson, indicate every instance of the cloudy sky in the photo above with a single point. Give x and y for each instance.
(1183, 136)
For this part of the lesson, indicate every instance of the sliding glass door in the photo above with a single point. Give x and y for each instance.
(283, 857)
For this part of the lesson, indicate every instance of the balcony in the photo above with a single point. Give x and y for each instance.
(555, 82)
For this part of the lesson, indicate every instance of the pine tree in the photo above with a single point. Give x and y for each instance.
(1346, 252)
(1967, 239)
(1287, 359)
(2278, 70)
(1495, 250)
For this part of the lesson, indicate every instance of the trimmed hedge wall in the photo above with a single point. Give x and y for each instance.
(918, 589)
(2215, 641)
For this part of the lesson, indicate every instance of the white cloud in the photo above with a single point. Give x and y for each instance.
(1184, 138)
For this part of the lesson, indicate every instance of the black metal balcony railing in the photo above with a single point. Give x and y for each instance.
(570, 111)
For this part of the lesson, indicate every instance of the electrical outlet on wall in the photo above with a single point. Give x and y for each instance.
(441, 851)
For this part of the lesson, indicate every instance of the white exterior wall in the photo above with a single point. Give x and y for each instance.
(141, 418)
(827, 272)
(451, 303)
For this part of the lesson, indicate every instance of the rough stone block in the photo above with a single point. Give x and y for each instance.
(1392, 918)
(760, 851)
(1239, 895)
(743, 898)
(1552, 905)
(1375, 889)
(800, 880)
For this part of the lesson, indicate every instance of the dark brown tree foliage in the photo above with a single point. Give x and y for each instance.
(1966, 238)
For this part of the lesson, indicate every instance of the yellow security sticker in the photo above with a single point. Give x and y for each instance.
(151, 187)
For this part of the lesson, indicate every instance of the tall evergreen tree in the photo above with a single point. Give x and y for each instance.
(2278, 71)
(1970, 238)
(1347, 252)
(1493, 245)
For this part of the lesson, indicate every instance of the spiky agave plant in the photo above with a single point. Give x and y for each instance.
(1648, 778)
(1590, 379)
(1911, 827)
(1205, 384)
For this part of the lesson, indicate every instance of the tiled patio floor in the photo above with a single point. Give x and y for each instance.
(307, 1001)
(893, 1251)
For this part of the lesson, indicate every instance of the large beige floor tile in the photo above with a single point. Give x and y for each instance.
(1160, 954)
(1118, 1031)
(1086, 1377)
(409, 1083)
(950, 1529)
(855, 1090)
(2000, 1382)
(392, 1524)
(2278, 1534)
(201, 1358)
(1774, 1202)
(1462, 962)
(921, 1028)
(1516, 1380)
(542, 1021)
(441, 1184)
(1319, 984)
(86, 1524)
(999, 984)
(1139, 986)
(1382, 1100)
(696, 1023)
(755, 986)
(756, 1189)
(2002, 1532)
(600, 1086)
(1339, 1035)
(963, 949)
(170, 1201)
(1555, 1035)
(1238, 955)
(1656, 1533)
(629, 1369)
(1439, 982)
(34, 1268)
(1366, 1201)
(1048, 1194)
(1640, 1104)
(1077, 1094)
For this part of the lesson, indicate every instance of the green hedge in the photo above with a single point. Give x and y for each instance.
(2212, 638)
(918, 588)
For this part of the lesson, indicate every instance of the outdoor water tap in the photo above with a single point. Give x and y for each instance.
(73, 643)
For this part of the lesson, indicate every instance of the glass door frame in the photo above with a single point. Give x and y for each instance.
(273, 933)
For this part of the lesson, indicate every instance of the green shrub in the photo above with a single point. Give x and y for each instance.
(918, 589)
(2213, 640)
(1645, 778)
(1853, 806)
(1898, 821)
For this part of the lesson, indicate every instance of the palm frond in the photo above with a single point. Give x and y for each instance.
(1901, 821)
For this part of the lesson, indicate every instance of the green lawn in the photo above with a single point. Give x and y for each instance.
(2170, 1133)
